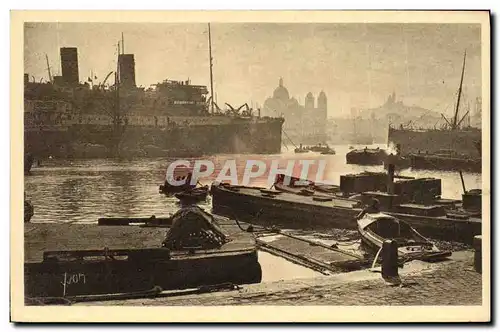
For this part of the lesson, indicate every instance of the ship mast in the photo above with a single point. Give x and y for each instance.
(117, 86)
(211, 73)
(455, 118)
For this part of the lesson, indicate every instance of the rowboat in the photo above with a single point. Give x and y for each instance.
(329, 151)
(28, 210)
(376, 228)
(181, 174)
(193, 195)
(28, 163)
(301, 150)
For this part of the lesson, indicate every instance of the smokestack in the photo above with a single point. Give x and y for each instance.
(69, 65)
(127, 70)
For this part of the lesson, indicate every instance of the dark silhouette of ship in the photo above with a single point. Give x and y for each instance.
(66, 118)
(425, 146)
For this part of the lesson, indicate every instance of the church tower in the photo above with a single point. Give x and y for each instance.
(322, 102)
(309, 102)
(322, 114)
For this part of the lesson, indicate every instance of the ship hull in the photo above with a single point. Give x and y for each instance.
(101, 141)
(436, 162)
(462, 142)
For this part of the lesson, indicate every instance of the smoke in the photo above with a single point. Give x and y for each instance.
(391, 148)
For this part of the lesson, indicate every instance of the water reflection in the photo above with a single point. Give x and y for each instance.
(84, 190)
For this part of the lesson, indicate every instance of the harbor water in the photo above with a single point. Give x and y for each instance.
(81, 191)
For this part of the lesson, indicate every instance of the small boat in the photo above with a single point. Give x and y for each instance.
(366, 156)
(323, 149)
(301, 149)
(330, 151)
(28, 162)
(28, 210)
(180, 174)
(193, 195)
(375, 228)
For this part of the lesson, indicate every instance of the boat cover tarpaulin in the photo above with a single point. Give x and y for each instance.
(192, 227)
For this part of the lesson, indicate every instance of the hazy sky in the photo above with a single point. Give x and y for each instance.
(357, 65)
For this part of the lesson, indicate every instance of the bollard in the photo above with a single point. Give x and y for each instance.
(477, 253)
(389, 259)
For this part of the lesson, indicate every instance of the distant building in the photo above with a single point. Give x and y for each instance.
(475, 120)
(303, 123)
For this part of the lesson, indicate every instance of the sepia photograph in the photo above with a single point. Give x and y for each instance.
(263, 162)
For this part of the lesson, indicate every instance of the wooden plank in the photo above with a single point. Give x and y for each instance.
(128, 221)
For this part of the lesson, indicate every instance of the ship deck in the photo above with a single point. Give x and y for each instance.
(43, 237)
(303, 212)
(297, 198)
(336, 202)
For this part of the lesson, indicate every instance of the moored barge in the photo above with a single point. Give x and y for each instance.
(366, 156)
(288, 209)
(199, 249)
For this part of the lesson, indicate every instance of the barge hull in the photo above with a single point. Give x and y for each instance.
(114, 276)
(289, 210)
(70, 260)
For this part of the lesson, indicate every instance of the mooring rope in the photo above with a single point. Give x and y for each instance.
(376, 257)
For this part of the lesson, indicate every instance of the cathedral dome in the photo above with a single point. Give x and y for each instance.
(281, 92)
(293, 102)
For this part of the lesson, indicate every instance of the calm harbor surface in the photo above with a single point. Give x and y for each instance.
(69, 191)
(81, 191)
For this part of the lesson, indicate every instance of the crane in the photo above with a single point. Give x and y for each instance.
(48, 67)
(106, 78)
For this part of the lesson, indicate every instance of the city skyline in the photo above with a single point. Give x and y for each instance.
(356, 65)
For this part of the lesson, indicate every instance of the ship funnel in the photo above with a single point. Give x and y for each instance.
(127, 70)
(69, 65)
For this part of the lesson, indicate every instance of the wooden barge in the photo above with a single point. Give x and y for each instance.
(366, 156)
(65, 260)
(285, 209)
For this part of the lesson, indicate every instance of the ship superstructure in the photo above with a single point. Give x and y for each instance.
(66, 118)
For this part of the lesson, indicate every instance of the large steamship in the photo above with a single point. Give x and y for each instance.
(456, 137)
(69, 119)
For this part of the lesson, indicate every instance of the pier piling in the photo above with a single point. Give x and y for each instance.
(389, 259)
(477, 253)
